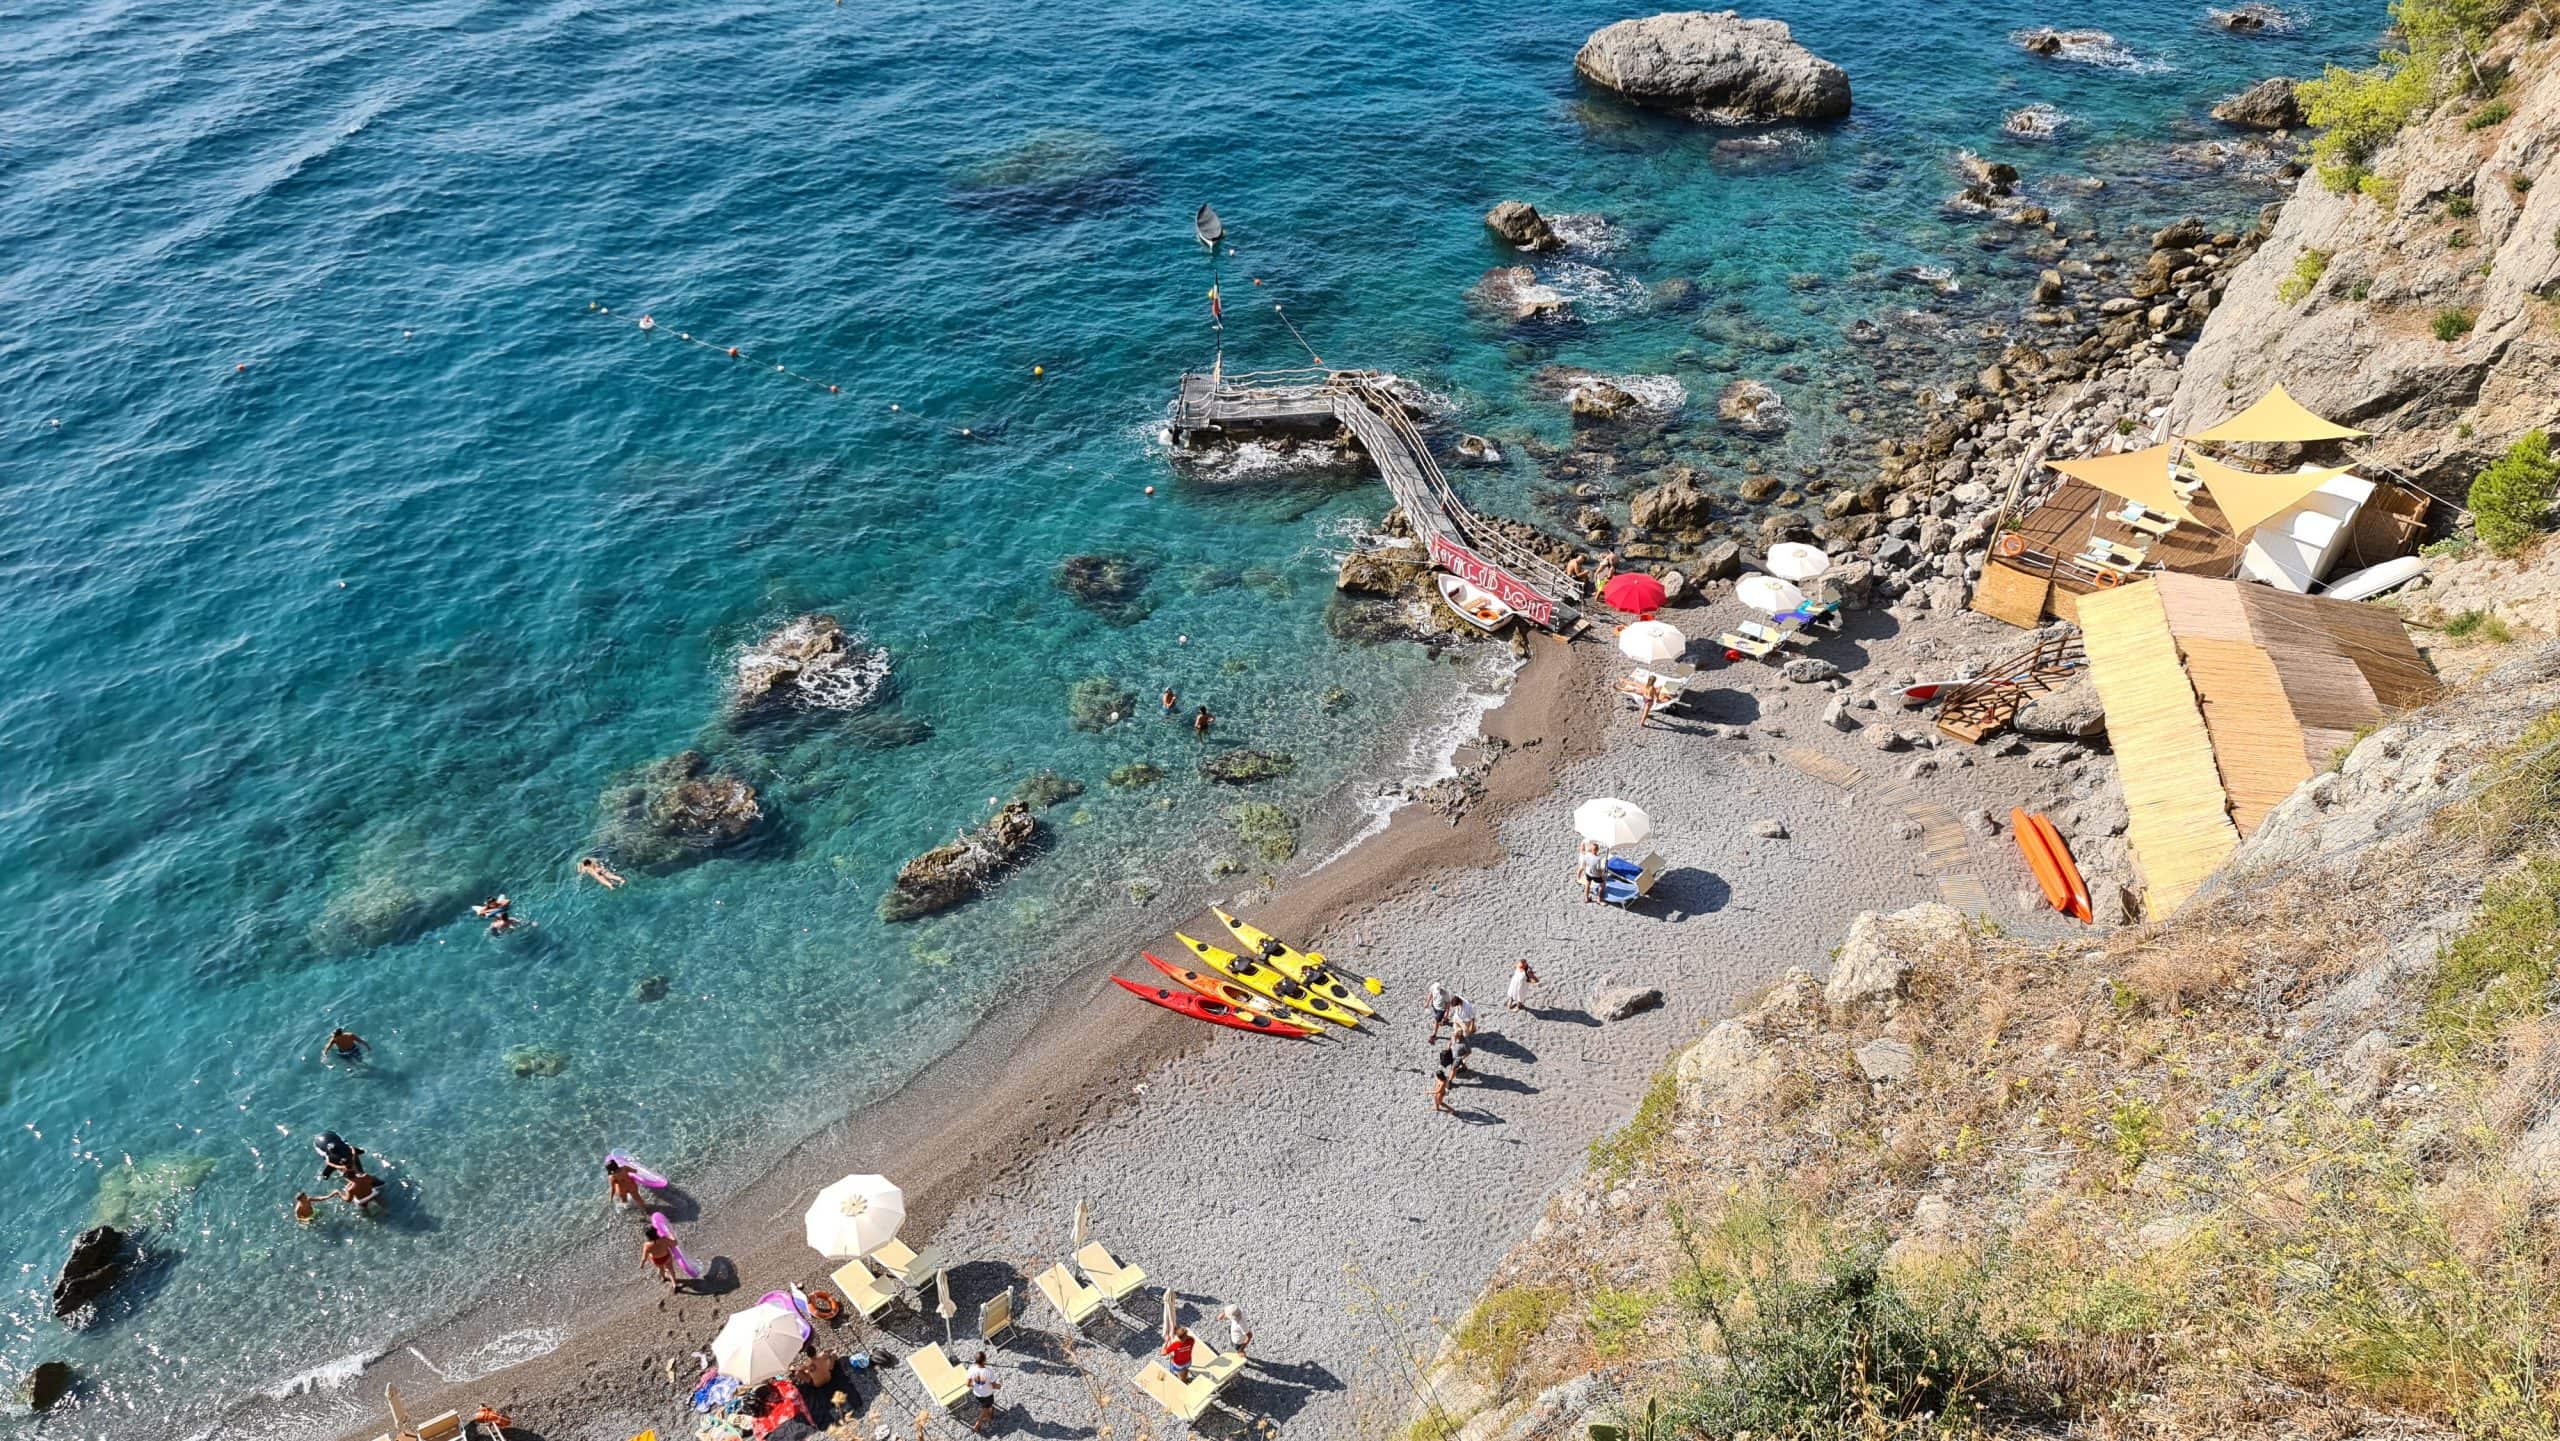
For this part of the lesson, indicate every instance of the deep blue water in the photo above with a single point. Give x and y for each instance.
(348, 549)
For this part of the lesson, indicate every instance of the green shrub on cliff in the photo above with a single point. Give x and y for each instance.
(2359, 111)
(2307, 270)
(2499, 970)
(2511, 500)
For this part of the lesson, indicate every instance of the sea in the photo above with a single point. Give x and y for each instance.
(359, 547)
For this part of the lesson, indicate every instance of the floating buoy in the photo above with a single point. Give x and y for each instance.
(342, 585)
(834, 390)
(1151, 490)
(648, 322)
(893, 405)
(407, 333)
(1037, 372)
(964, 431)
(778, 365)
(1182, 640)
(733, 352)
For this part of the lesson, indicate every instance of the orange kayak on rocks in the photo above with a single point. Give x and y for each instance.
(2050, 859)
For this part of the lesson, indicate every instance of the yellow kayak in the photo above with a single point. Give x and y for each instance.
(1257, 976)
(1307, 968)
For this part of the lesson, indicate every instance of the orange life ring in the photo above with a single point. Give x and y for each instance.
(2109, 580)
(824, 1306)
(2012, 544)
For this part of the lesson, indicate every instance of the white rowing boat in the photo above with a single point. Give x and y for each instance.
(1474, 605)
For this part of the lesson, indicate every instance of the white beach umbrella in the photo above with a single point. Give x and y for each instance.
(1652, 642)
(1172, 1312)
(855, 1217)
(1611, 823)
(758, 1343)
(1083, 1226)
(1767, 593)
(946, 1308)
(1795, 560)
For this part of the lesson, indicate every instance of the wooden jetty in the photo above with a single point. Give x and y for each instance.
(1325, 402)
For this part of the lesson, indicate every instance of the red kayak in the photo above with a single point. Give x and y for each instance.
(1201, 1008)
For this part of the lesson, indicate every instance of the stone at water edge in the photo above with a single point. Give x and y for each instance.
(99, 1258)
(1597, 399)
(1676, 504)
(959, 870)
(1752, 407)
(1519, 223)
(1715, 65)
(46, 1384)
(2268, 105)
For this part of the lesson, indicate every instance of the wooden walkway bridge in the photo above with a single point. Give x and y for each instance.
(1358, 401)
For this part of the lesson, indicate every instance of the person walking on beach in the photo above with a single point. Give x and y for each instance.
(1593, 867)
(1177, 1353)
(982, 1385)
(1440, 1082)
(1239, 1330)
(1439, 1010)
(660, 1252)
(1462, 1021)
(1516, 997)
(1201, 720)
(594, 869)
(344, 1045)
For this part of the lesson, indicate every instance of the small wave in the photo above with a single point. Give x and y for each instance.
(2036, 122)
(1590, 233)
(330, 1375)
(2256, 18)
(1251, 458)
(2089, 47)
(1593, 290)
(1660, 394)
(1431, 755)
(848, 677)
(850, 686)
(509, 1348)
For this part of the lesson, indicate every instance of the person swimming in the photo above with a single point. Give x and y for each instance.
(494, 906)
(1201, 720)
(345, 1045)
(594, 869)
(501, 923)
(302, 1208)
(362, 1191)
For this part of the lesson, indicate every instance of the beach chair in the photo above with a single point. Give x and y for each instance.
(1107, 1274)
(941, 1377)
(1074, 1299)
(1753, 639)
(863, 1291)
(2144, 519)
(895, 1258)
(995, 1317)
(1190, 1400)
(447, 1427)
(1628, 882)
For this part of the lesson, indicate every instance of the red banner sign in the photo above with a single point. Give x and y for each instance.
(1484, 575)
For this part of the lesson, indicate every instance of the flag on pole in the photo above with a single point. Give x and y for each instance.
(1217, 316)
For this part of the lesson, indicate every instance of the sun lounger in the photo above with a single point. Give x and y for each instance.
(1190, 1400)
(941, 1378)
(1109, 1276)
(1074, 1299)
(1628, 882)
(895, 1258)
(2143, 518)
(1755, 640)
(863, 1291)
(447, 1427)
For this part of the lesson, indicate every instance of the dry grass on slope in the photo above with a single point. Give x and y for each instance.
(2270, 1169)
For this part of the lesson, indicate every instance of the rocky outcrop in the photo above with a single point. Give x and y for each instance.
(1394, 571)
(1598, 399)
(2268, 105)
(2252, 18)
(677, 809)
(810, 655)
(1521, 226)
(1111, 586)
(960, 870)
(1716, 66)
(1515, 293)
(2344, 300)
(100, 1257)
(1675, 505)
(46, 1384)
(1097, 703)
(1751, 407)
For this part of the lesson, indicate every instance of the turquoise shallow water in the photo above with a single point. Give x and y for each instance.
(245, 801)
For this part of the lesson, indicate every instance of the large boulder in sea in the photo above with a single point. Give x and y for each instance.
(1675, 505)
(677, 809)
(2268, 105)
(99, 1258)
(959, 870)
(1714, 65)
(1111, 586)
(1392, 571)
(1515, 293)
(811, 656)
(46, 1385)
(1519, 223)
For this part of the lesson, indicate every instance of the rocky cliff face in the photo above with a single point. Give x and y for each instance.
(2344, 300)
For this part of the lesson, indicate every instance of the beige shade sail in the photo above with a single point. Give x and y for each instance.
(2137, 475)
(2276, 417)
(2251, 498)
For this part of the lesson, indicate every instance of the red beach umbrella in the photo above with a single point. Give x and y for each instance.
(1633, 592)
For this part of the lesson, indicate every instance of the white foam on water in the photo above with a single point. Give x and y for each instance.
(508, 1348)
(849, 686)
(2037, 122)
(1591, 233)
(1660, 394)
(2097, 47)
(1431, 753)
(1592, 289)
(329, 1375)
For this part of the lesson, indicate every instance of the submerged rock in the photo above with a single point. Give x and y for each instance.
(1716, 66)
(1099, 703)
(959, 870)
(2268, 105)
(1136, 774)
(1752, 408)
(1479, 450)
(1519, 223)
(677, 809)
(100, 1257)
(1245, 766)
(2035, 122)
(1047, 789)
(534, 1062)
(1108, 585)
(1269, 831)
